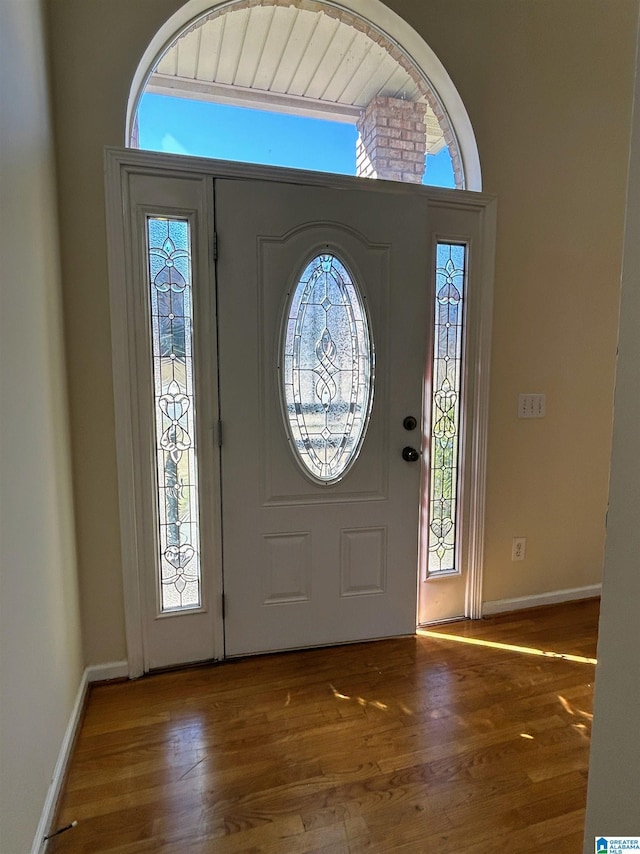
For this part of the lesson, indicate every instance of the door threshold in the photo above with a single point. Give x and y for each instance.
(442, 622)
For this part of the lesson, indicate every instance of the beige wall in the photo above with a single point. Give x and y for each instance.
(613, 804)
(40, 644)
(547, 84)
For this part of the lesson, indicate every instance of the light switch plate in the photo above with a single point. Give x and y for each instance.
(532, 405)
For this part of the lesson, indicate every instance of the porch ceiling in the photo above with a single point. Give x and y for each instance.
(290, 59)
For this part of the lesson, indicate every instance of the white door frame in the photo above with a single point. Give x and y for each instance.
(120, 165)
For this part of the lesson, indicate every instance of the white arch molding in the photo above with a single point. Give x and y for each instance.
(374, 12)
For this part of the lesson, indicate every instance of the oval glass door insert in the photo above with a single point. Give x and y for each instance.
(327, 369)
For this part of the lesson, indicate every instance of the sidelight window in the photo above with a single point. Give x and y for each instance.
(170, 295)
(445, 407)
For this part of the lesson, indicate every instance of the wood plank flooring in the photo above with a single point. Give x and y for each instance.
(418, 744)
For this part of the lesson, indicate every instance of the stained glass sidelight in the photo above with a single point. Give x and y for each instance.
(327, 369)
(170, 293)
(445, 406)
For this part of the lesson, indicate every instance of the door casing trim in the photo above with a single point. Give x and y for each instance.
(120, 165)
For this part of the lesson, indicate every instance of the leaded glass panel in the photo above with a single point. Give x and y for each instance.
(170, 294)
(327, 369)
(445, 406)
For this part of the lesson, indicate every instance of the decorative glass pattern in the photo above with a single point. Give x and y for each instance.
(327, 369)
(170, 293)
(445, 406)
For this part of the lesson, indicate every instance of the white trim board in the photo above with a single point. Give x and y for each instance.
(108, 670)
(53, 794)
(554, 597)
(94, 673)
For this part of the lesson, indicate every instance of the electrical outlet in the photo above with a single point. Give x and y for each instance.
(518, 546)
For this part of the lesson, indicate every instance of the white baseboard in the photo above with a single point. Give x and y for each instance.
(109, 670)
(39, 845)
(94, 673)
(500, 606)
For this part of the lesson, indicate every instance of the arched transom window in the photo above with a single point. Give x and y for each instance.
(298, 83)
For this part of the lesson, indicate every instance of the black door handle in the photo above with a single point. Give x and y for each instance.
(410, 454)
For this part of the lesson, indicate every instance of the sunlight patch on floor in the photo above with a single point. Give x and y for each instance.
(525, 650)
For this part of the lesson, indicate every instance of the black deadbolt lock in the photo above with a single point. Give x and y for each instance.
(409, 423)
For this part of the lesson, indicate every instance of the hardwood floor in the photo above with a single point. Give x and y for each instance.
(419, 744)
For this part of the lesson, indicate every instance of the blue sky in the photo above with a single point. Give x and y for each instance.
(199, 128)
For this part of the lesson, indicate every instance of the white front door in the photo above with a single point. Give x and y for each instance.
(309, 557)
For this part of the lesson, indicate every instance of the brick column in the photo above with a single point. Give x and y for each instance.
(392, 140)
